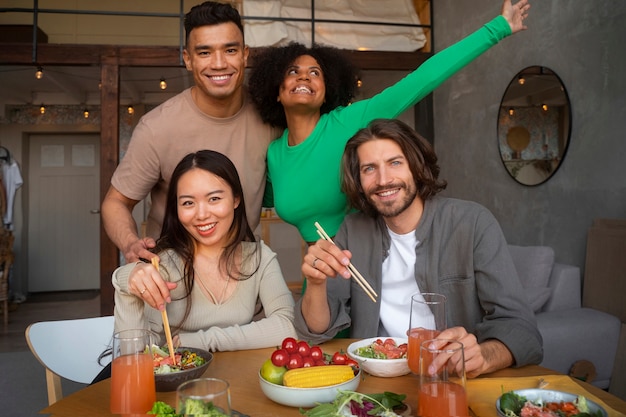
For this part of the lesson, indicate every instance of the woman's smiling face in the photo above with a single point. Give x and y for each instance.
(206, 207)
(303, 84)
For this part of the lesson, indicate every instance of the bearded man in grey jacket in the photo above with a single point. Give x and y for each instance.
(405, 239)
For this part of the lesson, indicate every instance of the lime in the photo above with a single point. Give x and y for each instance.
(273, 373)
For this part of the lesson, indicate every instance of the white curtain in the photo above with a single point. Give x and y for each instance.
(345, 36)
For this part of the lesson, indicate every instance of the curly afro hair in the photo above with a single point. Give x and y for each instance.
(270, 67)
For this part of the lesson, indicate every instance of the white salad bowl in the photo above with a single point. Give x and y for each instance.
(306, 397)
(379, 367)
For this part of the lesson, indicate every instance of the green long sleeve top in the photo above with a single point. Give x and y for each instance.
(306, 178)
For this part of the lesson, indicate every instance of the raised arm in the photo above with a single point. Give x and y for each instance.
(515, 14)
(121, 227)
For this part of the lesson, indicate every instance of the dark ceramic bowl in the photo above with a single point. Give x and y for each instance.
(169, 382)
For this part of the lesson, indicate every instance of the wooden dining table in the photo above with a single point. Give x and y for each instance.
(241, 370)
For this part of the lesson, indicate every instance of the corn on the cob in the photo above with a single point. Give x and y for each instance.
(317, 376)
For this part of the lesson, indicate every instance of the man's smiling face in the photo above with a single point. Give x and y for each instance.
(217, 56)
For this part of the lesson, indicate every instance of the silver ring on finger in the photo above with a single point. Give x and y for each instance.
(315, 260)
(142, 291)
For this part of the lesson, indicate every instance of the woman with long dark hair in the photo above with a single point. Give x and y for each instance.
(212, 269)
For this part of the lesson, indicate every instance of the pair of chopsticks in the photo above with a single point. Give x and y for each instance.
(353, 271)
(166, 322)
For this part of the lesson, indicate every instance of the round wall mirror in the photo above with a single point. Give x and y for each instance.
(534, 125)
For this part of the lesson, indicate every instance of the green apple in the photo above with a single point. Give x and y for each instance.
(273, 373)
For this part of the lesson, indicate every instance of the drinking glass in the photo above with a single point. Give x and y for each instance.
(200, 396)
(428, 319)
(132, 375)
(442, 385)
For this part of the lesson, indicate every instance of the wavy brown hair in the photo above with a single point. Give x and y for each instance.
(418, 151)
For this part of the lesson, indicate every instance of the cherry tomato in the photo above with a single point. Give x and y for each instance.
(295, 361)
(303, 348)
(320, 362)
(317, 353)
(280, 357)
(339, 358)
(351, 362)
(290, 345)
(308, 362)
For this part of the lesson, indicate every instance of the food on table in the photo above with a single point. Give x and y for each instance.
(273, 373)
(355, 404)
(191, 407)
(298, 354)
(383, 349)
(515, 405)
(318, 376)
(185, 359)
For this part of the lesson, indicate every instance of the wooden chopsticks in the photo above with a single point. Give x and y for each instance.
(166, 323)
(353, 271)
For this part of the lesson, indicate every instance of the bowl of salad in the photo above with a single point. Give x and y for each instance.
(547, 403)
(381, 356)
(191, 363)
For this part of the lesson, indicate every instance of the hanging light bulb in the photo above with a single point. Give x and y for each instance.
(163, 84)
(544, 107)
(42, 109)
(86, 113)
(131, 110)
(359, 83)
(511, 111)
(39, 73)
(521, 80)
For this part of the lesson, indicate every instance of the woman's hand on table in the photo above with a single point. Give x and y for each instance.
(146, 283)
(480, 358)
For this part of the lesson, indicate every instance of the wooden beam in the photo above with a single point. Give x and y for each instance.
(169, 56)
(109, 158)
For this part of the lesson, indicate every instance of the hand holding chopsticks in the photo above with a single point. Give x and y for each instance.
(356, 275)
(166, 322)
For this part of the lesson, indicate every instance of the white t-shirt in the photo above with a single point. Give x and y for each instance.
(12, 179)
(398, 286)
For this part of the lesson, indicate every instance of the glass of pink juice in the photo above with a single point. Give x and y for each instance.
(427, 320)
(132, 373)
(442, 379)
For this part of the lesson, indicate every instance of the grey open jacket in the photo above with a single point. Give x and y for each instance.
(462, 253)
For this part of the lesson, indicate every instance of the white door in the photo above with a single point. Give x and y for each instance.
(63, 212)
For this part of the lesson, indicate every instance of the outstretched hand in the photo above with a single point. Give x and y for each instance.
(515, 14)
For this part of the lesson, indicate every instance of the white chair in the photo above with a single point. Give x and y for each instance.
(70, 349)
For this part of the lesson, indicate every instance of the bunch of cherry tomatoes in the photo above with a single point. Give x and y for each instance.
(300, 354)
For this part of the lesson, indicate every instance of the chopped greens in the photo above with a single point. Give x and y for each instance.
(351, 403)
(191, 407)
(515, 405)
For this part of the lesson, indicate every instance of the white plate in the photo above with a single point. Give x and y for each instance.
(534, 394)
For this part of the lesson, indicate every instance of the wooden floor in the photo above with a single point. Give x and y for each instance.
(53, 306)
(44, 307)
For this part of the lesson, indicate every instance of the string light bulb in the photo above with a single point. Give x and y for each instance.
(521, 80)
(544, 107)
(359, 83)
(86, 113)
(131, 110)
(162, 84)
(39, 73)
(511, 111)
(42, 109)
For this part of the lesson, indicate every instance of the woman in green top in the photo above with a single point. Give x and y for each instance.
(307, 92)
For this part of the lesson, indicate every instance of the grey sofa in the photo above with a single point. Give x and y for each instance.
(571, 332)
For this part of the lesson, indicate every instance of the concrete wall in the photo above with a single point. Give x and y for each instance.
(584, 43)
